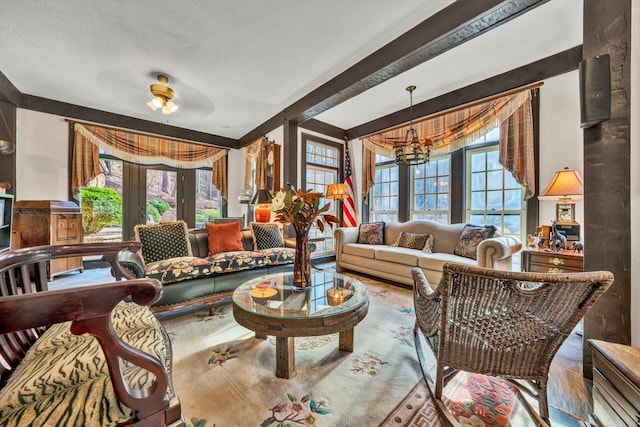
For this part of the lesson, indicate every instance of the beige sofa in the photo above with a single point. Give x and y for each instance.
(395, 263)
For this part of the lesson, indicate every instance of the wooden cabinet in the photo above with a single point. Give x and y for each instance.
(48, 222)
(6, 211)
(616, 384)
(545, 261)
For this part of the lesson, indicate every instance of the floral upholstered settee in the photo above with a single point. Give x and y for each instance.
(204, 265)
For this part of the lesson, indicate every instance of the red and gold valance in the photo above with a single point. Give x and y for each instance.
(141, 149)
(451, 130)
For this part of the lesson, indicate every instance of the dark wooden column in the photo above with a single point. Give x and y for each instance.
(8, 161)
(290, 147)
(607, 217)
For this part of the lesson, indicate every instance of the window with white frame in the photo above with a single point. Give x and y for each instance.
(430, 190)
(323, 161)
(494, 197)
(385, 194)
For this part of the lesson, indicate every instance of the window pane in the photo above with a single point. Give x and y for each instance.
(418, 202)
(207, 198)
(513, 200)
(476, 219)
(512, 224)
(431, 169)
(419, 186)
(510, 181)
(443, 184)
(492, 160)
(101, 204)
(494, 200)
(478, 181)
(478, 162)
(430, 202)
(477, 201)
(161, 195)
(443, 202)
(443, 166)
(495, 220)
(494, 180)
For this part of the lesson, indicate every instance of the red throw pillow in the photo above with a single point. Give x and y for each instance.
(224, 237)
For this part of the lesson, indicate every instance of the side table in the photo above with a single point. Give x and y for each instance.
(616, 384)
(544, 261)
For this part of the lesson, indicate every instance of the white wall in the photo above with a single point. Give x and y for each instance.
(635, 174)
(42, 156)
(235, 182)
(561, 140)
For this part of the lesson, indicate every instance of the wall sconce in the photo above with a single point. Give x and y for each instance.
(565, 186)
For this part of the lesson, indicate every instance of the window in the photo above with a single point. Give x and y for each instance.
(494, 196)
(385, 194)
(430, 190)
(126, 194)
(322, 166)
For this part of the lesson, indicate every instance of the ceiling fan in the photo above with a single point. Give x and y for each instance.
(162, 96)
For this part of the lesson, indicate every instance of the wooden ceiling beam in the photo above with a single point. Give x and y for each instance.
(456, 24)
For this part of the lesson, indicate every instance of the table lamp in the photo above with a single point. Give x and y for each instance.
(565, 186)
(262, 199)
(337, 191)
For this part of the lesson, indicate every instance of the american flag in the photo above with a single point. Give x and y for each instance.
(348, 205)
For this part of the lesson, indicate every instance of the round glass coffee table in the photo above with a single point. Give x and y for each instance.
(270, 305)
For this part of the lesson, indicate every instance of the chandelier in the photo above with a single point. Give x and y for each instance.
(162, 96)
(410, 152)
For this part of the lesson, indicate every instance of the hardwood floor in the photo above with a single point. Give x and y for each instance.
(569, 392)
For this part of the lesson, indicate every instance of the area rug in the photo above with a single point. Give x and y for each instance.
(224, 376)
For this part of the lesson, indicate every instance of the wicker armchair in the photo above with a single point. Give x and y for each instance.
(500, 323)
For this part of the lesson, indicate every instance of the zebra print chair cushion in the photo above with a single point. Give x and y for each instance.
(64, 380)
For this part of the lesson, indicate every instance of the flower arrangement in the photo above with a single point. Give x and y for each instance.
(302, 209)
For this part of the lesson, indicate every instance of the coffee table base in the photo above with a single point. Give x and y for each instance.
(286, 357)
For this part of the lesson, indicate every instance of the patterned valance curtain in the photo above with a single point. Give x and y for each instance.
(141, 149)
(452, 130)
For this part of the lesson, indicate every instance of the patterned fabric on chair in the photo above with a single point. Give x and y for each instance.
(500, 323)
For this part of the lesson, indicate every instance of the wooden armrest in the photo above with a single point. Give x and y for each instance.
(89, 309)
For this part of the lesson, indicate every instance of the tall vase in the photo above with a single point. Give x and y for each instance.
(302, 262)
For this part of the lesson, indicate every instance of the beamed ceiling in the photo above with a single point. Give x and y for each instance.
(240, 68)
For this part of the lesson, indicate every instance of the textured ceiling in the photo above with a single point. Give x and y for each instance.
(235, 64)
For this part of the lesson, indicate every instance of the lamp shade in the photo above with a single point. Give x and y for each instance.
(262, 197)
(565, 183)
(337, 191)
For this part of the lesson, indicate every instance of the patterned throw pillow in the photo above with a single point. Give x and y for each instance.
(371, 233)
(423, 242)
(163, 241)
(266, 236)
(471, 237)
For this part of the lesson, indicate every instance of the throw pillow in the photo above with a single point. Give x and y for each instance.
(224, 237)
(163, 241)
(423, 242)
(266, 236)
(371, 233)
(471, 237)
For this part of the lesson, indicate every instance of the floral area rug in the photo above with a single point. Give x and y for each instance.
(224, 376)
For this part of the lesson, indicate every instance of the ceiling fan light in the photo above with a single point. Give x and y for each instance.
(172, 107)
(151, 105)
(158, 102)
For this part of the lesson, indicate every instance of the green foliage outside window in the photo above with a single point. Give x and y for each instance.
(101, 207)
(156, 208)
